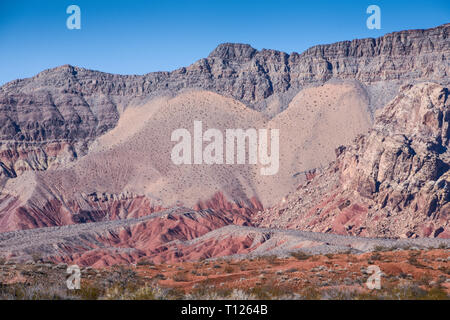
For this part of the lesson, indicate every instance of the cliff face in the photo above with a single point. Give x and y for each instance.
(392, 182)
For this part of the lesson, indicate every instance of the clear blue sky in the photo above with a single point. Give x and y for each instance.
(136, 37)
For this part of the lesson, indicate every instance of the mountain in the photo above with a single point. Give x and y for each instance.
(53, 117)
(363, 131)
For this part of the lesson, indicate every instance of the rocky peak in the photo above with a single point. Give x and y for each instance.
(233, 51)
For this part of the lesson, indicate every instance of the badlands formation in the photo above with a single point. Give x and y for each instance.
(85, 156)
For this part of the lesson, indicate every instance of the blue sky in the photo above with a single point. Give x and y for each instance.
(136, 37)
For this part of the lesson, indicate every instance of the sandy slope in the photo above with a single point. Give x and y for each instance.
(317, 121)
(135, 156)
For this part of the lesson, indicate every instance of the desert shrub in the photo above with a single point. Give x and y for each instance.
(425, 279)
(180, 276)
(90, 292)
(121, 277)
(376, 256)
(380, 248)
(238, 294)
(271, 290)
(36, 291)
(145, 263)
(300, 255)
(146, 292)
(404, 292)
(412, 260)
(36, 257)
(160, 276)
(271, 259)
(311, 293)
(337, 294)
(228, 269)
(445, 270)
(436, 293)
(208, 292)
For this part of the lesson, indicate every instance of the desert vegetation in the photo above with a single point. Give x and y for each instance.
(406, 274)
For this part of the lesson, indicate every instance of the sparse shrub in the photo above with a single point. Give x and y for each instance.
(436, 293)
(271, 259)
(238, 294)
(228, 269)
(445, 270)
(380, 248)
(412, 260)
(36, 257)
(311, 293)
(180, 277)
(36, 291)
(300, 255)
(425, 279)
(414, 292)
(160, 276)
(145, 263)
(90, 292)
(376, 256)
(121, 277)
(270, 290)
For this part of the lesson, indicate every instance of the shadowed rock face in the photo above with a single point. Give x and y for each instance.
(392, 182)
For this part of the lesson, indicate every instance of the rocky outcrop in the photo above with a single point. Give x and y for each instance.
(392, 182)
